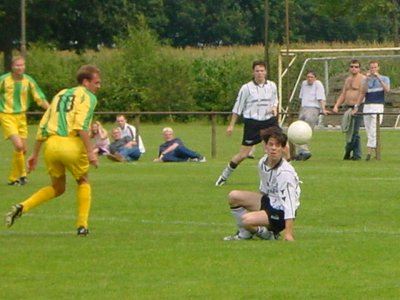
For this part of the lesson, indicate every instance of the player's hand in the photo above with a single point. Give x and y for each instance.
(288, 237)
(32, 163)
(93, 159)
(229, 130)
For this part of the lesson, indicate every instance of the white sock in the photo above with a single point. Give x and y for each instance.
(227, 172)
(263, 233)
(237, 214)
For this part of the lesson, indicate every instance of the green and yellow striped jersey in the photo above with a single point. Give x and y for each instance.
(70, 110)
(17, 95)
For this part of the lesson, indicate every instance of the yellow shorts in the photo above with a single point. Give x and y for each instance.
(14, 124)
(62, 153)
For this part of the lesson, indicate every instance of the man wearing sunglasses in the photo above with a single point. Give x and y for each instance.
(349, 97)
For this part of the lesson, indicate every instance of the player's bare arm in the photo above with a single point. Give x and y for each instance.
(289, 230)
(34, 157)
(84, 135)
(232, 123)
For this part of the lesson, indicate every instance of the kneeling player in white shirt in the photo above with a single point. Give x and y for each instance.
(273, 209)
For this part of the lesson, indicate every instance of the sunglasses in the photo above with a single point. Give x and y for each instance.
(352, 66)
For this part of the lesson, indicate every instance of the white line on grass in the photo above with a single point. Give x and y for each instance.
(308, 229)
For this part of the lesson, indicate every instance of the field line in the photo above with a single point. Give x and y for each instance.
(299, 228)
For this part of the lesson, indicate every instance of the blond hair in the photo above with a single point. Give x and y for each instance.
(167, 129)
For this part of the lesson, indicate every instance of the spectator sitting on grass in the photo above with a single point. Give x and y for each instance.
(100, 137)
(123, 148)
(173, 150)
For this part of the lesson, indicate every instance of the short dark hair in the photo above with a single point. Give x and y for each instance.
(311, 72)
(355, 61)
(86, 72)
(259, 63)
(274, 132)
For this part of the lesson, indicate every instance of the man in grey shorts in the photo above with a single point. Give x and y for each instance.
(312, 95)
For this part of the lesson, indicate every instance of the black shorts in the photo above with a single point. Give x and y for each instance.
(276, 217)
(251, 131)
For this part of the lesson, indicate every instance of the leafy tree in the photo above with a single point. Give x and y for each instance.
(10, 28)
(368, 20)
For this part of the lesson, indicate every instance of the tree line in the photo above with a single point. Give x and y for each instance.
(79, 25)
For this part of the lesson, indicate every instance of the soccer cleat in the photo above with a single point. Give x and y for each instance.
(302, 156)
(266, 235)
(13, 182)
(15, 212)
(82, 231)
(368, 158)
(236, 237)
(202, 159)
(23, 180)
(220, 181)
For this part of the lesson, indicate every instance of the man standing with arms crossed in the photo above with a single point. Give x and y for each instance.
(257, 102)
(64, 131)
(349, 97)
(17, 90)
(374, 88)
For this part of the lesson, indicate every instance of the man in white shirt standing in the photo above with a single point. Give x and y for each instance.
(130, 130)
(257, 103)
(312, 96)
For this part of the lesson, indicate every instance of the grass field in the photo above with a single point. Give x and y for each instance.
(156, 229)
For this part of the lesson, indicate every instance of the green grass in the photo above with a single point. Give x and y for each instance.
(156, 229)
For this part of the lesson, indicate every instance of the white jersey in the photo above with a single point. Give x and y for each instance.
(130, 130)
(311, 95)
(255, 101)
(281, 184)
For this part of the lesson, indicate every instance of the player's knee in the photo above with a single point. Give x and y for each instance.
(233, 197)
(246, 220)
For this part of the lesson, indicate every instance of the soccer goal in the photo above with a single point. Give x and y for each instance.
(327, 69)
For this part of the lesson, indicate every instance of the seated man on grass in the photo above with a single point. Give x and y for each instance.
(123, 148)
(273, 208)
(173, 150)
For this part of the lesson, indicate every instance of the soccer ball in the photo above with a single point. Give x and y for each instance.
(299, 132)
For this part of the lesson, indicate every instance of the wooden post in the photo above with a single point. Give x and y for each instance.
(213, 136)
(23, 28)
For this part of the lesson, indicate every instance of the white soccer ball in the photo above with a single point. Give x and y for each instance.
(299, 132)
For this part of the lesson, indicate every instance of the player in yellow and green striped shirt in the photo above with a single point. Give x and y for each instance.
(64, 132)
(17, 91)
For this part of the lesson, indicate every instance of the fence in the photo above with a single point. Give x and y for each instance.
(213, 117)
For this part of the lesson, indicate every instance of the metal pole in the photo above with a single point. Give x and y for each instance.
(23, 29)
(266, 30)
(378, 137)
(287, 41)
(213, 136)
(290, 116)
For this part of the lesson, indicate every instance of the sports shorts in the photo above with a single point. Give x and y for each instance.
(251, 131)
(13, 124)
(65, 153)
(276, 217)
